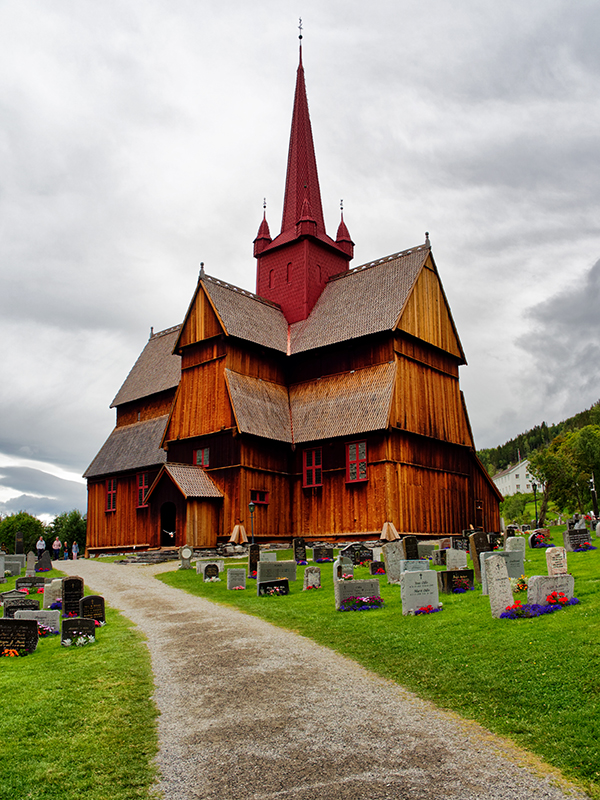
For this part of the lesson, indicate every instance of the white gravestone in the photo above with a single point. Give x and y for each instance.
(342, 566)
(414, 566)
(268, 556)
(418, 589)
(515, 543)
(185, 554)
(51, 619)
(236, 577)
(425, 549)
(498, 584)
(393, 554)
(273, 570)
(514, 565)
(312, 578)
(52, 592)
(540, 586)
(201, 565)
(456, 559)
(556, 560)
(343, 590)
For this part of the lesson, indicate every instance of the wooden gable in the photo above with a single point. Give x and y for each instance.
(426, 313)
(201, 320)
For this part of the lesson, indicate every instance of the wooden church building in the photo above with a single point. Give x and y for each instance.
(330, 399)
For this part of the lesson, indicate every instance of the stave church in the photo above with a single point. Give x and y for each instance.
(325, 405)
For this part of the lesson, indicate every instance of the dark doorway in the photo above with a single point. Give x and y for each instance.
(168, 525)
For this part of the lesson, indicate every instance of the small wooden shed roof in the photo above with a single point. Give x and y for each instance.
(192, 481)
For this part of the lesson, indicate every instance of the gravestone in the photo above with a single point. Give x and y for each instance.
(263, 587)
(344, 590)
(22, 602)
(575, 538)
(30, 564)
(393, 554)
(2, 578)
(19, 542)
(12, 565)
(52, 592)
(439, 558)
(18, 634)
(537, 538)
(236, 577)
(556, 560)
(515, 543)
(418, 565)
(274, 570)
(266, 555)
(253, 559)
(418, 589)
(11, 593)
(357, 553)
(185, 556)
(74, 627)
(540, 586)
(45, 562)
(50, 619)
(342, 566)
(377, 568)
(322, 552)
(201, 563)
(478, 543)
(299, 549)
(92, 607)
(312, 578)
(426, 549)
(513, 561)
(456, 559)
(377, 553)
(72, 592)
(29, 583)
(448, 581)
(445, 544)
(460, 543)
(498, 585)
(211, 571)
(411, 548)
(495, 540)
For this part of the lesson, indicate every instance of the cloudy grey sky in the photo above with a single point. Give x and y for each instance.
(139, 138)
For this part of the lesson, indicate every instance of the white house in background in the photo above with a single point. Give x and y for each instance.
(514, 479)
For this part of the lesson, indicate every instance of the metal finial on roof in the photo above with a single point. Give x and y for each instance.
(151, 331)
(201, 275)
(265, 203)
(427, 242)
(342, 206)
(300, 27)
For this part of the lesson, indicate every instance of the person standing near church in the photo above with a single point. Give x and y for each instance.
(66, 550)
(75, 549)
(40, 546)
(56, 548)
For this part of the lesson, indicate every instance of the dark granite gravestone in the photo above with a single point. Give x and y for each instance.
(263, 587)
(536, 539)
(323, 551)
(76, 626)
(299, 548)
(18, 634)
(357, 553)
(438, 558)
(377, 567)
(11, 593)
(72, 592)
(364, 554)
(44, 564)
(460, 543)
(22, 603)
(349, 552)
(19, 542)
(495, 539)
(92, 607)
(211, 571)
(575, 538)
(447, 581)
(411, 548)
(253, 559)
(478, 543)
(29, 583)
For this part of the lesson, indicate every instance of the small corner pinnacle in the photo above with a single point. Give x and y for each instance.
(151, 331)
(201, 275)
(427, 242)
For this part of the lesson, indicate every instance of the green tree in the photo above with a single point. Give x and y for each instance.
(31, 528)
(513, 507)
(68, 526)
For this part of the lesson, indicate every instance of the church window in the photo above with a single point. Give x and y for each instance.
(289, 272)
(143, 484)
(202, 457)
(356, 462)
(259, 497)
(111, 494)
(271, 278)
(312, 467)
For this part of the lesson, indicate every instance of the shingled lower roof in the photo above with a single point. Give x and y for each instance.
(130, 447)
(248, 316)
(343, 405)
(260, 407)
(156, 370)
(366, 300)
(192, 481)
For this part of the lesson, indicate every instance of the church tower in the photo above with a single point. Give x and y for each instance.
(293, 268)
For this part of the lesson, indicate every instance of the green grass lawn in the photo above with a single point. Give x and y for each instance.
(536, 681)
(79, 722)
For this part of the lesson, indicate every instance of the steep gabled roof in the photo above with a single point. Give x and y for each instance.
(156, 370)
(191, 481)
(130, 447)
(260, 407)
(343, 405)
(365, 300)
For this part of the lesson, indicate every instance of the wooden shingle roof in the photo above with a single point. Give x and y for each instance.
(366, 300)
(260, 407)
(156, 370)
(192, 481)
(130, 447)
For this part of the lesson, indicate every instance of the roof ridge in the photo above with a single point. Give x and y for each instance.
(379, 261)
(166, 331)
(243, 292)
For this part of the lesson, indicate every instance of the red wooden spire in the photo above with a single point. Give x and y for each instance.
(302, 180)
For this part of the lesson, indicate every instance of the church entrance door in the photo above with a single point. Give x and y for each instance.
(168, 525)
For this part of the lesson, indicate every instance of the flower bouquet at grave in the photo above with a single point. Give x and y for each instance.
(427, 610)
(584, 547)
(379, 571)
(10, 652)
(301, 562)
(311, 587)
(323, 560)
(361, 603)
(557, 598)
(252, 574)
(529, 610)
(80, 641)
(238, 588)
(518, 584)
(99, 623)
(346, 577)
(56, 605)
(70, 614)
(275, 591)
(44, 631)
(214, 579)
(542, 539)
(462, 585)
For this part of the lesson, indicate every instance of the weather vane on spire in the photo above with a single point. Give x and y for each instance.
(300, 27)
(265, 203)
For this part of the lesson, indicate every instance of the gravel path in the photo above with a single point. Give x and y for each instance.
(249, 710)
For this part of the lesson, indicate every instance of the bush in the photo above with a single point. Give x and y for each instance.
(31, 528)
